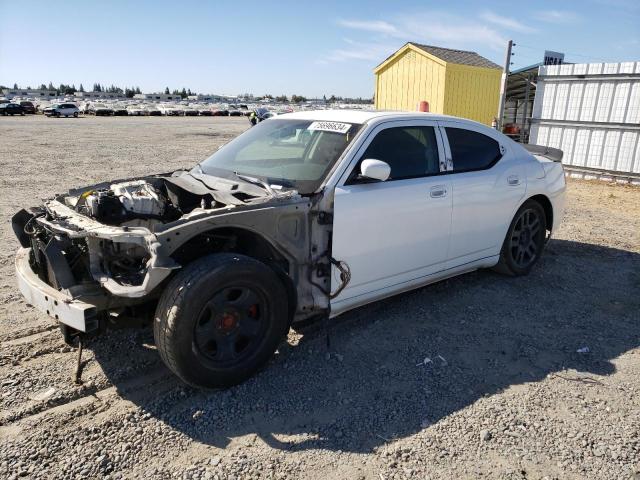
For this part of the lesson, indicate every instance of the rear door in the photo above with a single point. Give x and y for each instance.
(393, 232)
(487, 185)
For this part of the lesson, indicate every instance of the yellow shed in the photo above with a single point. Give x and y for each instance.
(454, 82)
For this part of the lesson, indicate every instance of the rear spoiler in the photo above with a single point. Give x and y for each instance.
(553, 154)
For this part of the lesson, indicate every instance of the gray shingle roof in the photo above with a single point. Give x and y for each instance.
(462, 57)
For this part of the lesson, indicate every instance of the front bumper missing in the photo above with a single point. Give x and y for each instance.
(74, 313)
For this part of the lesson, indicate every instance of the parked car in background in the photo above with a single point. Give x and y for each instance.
(219, 111)
(136, 110)
(306, 215)
(234, 112)
(62, 110)
(153, 110)
(120, 110)
(11, 109)
(100, 109)
(28, 106)
(190, 112)
(205, 111)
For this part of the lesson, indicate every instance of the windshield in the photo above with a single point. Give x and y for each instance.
(287, 152)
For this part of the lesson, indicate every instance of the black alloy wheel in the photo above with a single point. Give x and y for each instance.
(230, 326)
(524, 241)
(523, 244)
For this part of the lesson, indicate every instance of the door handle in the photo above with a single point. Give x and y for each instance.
(438, 191)
(513, 180)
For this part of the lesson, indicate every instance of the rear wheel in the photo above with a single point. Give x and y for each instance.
(525, 240)
(220, 319)
(75, 114)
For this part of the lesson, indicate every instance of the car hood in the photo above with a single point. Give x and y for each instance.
(157, 201)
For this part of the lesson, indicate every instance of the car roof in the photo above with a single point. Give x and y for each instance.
(364, 116)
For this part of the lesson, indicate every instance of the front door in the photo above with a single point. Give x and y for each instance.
(393, 232)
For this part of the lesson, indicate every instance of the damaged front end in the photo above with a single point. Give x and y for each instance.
(109, 246)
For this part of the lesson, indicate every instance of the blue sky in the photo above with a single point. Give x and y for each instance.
(307, 48)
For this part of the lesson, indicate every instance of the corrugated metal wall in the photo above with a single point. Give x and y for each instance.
(592, 113)
(472, 92)
(411, 78)
(451, 89)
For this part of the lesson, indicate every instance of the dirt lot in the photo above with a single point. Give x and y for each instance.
(474, 377)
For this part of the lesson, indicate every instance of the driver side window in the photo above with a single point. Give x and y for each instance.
(411, 152)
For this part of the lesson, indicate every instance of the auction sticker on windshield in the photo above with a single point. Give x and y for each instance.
(336, 127)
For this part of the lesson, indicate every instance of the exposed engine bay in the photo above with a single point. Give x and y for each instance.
(126, 237)
(152, 201)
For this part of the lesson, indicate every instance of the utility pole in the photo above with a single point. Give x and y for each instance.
(503, 85)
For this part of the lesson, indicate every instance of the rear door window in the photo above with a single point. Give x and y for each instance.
(472, 150)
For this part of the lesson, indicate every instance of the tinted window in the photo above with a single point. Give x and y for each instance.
(410, 152)
(472, 150)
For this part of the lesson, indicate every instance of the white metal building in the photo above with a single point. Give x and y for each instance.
(163, 97)
(592, 113)
(99, 95)
(28, 93)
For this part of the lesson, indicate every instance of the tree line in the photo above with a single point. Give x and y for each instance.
(299, 98)
(129, 92)
(64, 89)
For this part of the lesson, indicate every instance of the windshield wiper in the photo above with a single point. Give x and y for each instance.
(257, 181)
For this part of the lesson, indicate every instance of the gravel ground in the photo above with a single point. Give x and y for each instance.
(475, 377)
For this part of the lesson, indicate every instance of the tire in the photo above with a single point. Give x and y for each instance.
(75, 114)
(220, 319)
(525, 240)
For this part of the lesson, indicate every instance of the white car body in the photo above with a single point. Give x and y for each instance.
(403, 234)
(136, 110)
(62, 110)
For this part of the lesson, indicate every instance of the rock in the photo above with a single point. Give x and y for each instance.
(485, 435)
(215, 461)
(43, 395)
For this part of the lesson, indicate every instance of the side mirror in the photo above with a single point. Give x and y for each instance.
(375, 169)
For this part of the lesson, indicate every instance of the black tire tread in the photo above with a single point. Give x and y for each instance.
(165, 323)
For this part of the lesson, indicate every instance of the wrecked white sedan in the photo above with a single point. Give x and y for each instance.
(308, 214)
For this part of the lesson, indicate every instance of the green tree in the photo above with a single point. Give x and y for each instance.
(138, 91)
(81, 89)
(51, 87)
(42, 87)
(166, 91)
(15, 86)
(282, 99)
(298, 98)
(183, 93)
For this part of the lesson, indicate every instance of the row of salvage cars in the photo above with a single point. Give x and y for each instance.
(160, 109)
(70, 108)
(307, 215)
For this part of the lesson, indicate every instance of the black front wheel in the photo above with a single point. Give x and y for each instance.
(220, 319)
(525, 240)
